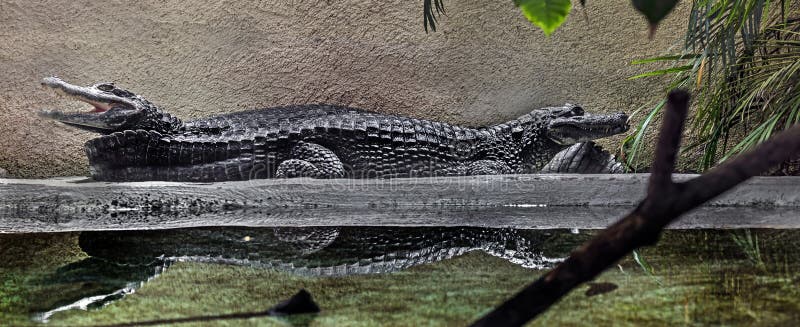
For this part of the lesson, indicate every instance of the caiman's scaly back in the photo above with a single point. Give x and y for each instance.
(142, 142)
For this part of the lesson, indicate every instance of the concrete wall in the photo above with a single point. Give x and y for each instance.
(486, 64)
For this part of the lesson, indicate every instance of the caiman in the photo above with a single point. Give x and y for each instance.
(119, 262)
(139, 141)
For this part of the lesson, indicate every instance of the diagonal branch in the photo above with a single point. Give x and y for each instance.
(665, 202)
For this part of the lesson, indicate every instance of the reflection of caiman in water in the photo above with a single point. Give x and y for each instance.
(316, 251)
(120, 261)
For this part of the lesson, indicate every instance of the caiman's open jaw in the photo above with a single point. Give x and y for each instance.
(111, 107)
(583, 128)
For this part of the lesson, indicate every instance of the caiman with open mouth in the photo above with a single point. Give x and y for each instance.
(139, 141)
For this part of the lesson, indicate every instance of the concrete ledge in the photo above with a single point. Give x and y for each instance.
(522, 201)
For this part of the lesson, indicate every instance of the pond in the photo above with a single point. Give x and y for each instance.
(388, 276)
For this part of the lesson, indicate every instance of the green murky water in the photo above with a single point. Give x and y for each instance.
(388, 276)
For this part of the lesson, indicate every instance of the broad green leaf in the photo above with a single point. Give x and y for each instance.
(654, 10)
(546, 14)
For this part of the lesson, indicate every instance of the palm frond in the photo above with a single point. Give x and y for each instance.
(742, 57)
(430, 10)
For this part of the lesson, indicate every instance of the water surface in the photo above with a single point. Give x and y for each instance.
(389, 275)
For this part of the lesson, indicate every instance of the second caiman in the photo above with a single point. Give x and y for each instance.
(139, 141)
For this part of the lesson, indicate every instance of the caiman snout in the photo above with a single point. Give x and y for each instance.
(582, 128)
(112, 108)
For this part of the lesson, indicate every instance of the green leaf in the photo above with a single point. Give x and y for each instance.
(654, 10)
(642, 262)
(648, 269)
(663, 71)
(546, 14)
(664, 58)
(639, 134)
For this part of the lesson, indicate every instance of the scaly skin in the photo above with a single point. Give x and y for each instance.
(583, 158)
(317, 251)
(141, 142)
(121, 261)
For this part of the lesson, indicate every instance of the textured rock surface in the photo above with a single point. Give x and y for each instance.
(486, 64)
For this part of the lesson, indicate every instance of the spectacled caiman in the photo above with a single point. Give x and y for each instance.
(140, 141)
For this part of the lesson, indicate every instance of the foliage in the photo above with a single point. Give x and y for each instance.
(12, 296)
(646, 267)
(654, 10)
(429, 17)
(550, 14)
(748, 242)
(546, 14)
(742, 58)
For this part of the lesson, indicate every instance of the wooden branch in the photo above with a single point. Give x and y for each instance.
(665, 202)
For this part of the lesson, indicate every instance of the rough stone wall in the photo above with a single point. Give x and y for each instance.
(485, 65)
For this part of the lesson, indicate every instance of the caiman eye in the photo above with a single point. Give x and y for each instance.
(577, 111)
(105, 87)
(122, 93)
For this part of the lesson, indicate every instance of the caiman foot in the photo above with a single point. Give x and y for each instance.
(311, 160)
(584, 158)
